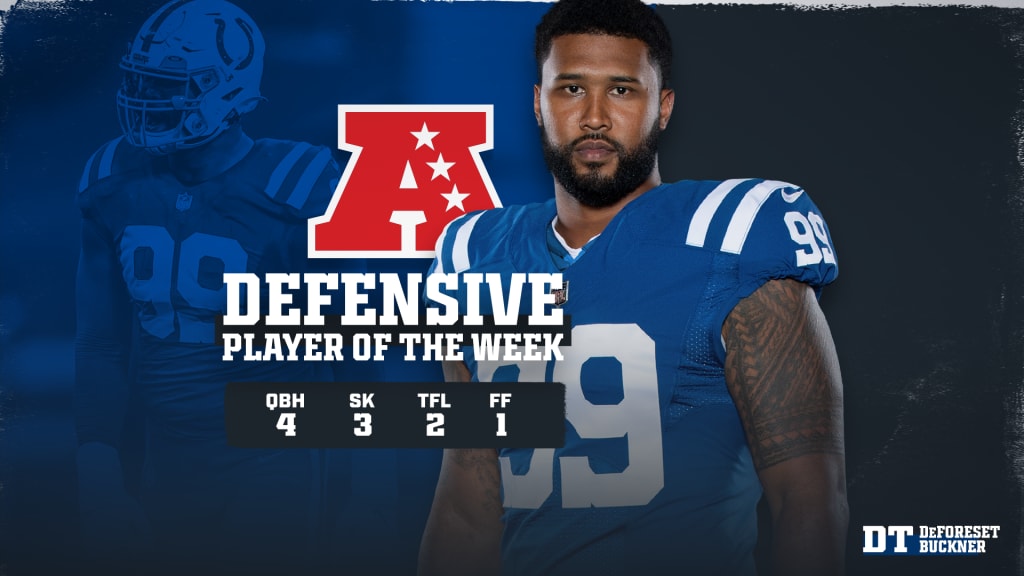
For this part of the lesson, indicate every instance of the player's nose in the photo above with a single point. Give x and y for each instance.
(595, 114)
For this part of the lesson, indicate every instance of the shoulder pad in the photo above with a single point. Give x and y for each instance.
(301, 175)
(480, 238)
(773, 227)
(111, 159)
(451, 253)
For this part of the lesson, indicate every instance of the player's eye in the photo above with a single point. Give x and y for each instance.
(621, 90)
(574, 89)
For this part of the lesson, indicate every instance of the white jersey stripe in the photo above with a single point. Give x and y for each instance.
(107, 161)
(309, 177)
(84, 182)
(284, 167)
(701, 221)
(460, 248)
(439, 248)
(746, 212)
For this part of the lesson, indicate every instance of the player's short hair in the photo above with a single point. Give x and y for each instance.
(623, 18)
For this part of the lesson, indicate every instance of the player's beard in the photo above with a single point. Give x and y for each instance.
(589, 186)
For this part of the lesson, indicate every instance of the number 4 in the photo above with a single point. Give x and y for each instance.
(286, 422)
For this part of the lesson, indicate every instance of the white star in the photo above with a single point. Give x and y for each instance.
(424, 137)
(455, 199)
(441, 167)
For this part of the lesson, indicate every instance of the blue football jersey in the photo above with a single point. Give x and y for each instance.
(655, 475)
(174, 241)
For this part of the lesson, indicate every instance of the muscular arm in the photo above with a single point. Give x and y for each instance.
(113, 525)
(102, 342)
(782, 372)
(463, 532)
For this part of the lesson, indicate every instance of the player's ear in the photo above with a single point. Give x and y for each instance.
(536, 103)
(668, 101)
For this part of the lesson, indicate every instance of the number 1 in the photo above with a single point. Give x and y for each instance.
(501, 424)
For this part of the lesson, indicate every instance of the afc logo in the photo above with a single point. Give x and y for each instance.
(413, 170)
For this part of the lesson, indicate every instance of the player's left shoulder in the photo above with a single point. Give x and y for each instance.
(116, 158)
(773, 227)
(297, 175)
(112, 174)
(485, 237)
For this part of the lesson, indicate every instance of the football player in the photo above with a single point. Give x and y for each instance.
(181, 197)
(701, 372)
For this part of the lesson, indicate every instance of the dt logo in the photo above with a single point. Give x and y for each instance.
(413, 170)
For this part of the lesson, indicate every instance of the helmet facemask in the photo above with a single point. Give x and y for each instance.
(163, 113)
(191, 73)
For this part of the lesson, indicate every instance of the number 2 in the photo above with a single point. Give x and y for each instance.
(435, 424)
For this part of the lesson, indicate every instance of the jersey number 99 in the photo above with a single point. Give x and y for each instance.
(151, 265)
(809, 231)
(637, 416)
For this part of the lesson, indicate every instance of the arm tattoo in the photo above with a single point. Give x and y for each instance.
(782, 372)
(483, 465)
(479, 464)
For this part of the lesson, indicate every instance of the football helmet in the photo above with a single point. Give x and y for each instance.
(193, 69)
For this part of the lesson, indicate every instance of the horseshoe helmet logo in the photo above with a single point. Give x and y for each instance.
(193, 69)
